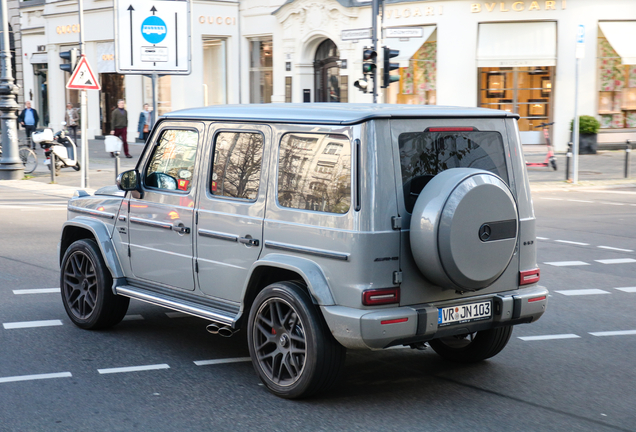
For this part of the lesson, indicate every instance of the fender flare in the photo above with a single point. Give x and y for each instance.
(311, 273)
(101, 233)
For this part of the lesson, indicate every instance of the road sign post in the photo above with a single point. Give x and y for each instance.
(152, 36)
(580, 53)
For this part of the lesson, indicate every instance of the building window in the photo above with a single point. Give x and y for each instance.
(526, 91)
(418, 81)
(214, 72)
(261, 70)
(310, 177)
(617, 90)
(288, 89)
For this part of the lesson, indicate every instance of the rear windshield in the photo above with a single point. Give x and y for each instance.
(425, 154)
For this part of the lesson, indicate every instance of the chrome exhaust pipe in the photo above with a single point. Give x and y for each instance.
(226, 331)
(213, 328)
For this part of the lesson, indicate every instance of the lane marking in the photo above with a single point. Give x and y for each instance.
(627, 289)
(614, 248)
(31, 324)
(133, 369)
(36, 291)
(552, 199)
(617, 261)
(133, 318)
(222, 361)
(572, 242)
(614, 333)
(611, 203)
(566, 263)
(36, 377)
(582, 292)
(177, 315)
(549, 337)
(542, 238)
(581, 201)
(33, 209)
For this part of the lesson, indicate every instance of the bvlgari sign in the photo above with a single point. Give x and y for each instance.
(518, 6)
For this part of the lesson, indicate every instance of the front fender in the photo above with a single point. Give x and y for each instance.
(101, 234)
(311, 273)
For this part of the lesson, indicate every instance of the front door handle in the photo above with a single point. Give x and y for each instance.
(181, 229)
(249, 241)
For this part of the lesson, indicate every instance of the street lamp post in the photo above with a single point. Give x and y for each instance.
(11, 167)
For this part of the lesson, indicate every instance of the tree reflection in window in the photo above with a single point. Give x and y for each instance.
(174, 156)
(237, 164)
(314, 172)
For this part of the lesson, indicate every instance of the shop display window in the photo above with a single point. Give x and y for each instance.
(526, 91)
(418, 81)
(617, 89)
(261, 81)
(214, 72)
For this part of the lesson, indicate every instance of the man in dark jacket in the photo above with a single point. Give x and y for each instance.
(119, 125)
(29, 119)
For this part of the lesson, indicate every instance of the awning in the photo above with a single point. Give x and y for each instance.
(39, 58)
(409, 47)
(517, 44)
(621, 35)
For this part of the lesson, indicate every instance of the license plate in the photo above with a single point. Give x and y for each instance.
(47, 161)
(462, 314)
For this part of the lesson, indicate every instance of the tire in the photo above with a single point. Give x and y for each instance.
(77, 166)
(292, 349)
(86, 286)
(553, 164)
(29, 159)
(472, 347)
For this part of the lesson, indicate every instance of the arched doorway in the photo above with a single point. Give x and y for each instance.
(329, 85)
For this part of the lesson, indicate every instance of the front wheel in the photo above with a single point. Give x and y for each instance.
(472, 347)
(77, 166)
(29, 159)
(292, 350)
(553, 163)
(86, 286)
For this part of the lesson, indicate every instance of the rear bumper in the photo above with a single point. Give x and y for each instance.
(382, 328)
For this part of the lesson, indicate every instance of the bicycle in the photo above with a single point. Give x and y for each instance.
(550, 159)
(27, 156)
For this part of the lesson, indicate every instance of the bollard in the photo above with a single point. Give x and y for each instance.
(116, 165)
(52, 166)
(628, 150)
(568, 158)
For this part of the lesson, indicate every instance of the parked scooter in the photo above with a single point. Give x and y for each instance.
(58, 148)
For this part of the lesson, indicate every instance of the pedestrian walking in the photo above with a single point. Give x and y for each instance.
(29, 119)
(119, 125)
(146, 120)
(71, 117)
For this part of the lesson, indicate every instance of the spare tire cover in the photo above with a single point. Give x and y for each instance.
(464, 229)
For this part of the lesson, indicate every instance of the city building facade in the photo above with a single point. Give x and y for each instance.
(517, 56)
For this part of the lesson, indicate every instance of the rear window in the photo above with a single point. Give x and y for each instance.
(425, 154)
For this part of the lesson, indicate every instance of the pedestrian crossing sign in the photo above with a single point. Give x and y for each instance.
(83, 77)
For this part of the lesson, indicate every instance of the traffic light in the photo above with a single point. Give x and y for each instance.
(368, 61)
(362, 84)
(71, 57)
(387, 78)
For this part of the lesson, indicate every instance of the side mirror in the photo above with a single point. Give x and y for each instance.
(129, 181)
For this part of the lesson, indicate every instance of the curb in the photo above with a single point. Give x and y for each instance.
(44, 188)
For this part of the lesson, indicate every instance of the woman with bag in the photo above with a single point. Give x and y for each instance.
(145, 122)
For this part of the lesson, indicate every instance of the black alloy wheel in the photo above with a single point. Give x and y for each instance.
(292, 350)
(472, 347)
(86, 286)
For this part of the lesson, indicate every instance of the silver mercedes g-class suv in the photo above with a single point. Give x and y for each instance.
(317, 228)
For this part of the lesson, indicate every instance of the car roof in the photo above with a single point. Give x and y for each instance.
(329, 113)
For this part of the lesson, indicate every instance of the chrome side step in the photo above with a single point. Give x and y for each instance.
(185, 306)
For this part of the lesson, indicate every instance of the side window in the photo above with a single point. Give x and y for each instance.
(236, 171)
(314, 172)
(171, 166)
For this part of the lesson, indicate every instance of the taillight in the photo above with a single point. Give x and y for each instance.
(381, 296)
(450, 129)
(528, 277)
(394, 321)
(536, 299)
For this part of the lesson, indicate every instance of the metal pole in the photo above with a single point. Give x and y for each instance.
(374, 38)
(568, 158)
(155, 94)
(575, 127)
(52, 166)
(11, 167)
(628, 150)
(84, 183)
(116, 165)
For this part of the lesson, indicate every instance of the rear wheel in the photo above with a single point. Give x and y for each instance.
(86, 286)
(29, 159)
(472, 347)
(553, 163)
(292, 350)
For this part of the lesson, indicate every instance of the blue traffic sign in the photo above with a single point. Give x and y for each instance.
(580, 34)
(154, 29)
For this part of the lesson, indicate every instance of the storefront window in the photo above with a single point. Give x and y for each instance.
(418, 81)
(214, 72)
(261, 70)
(617, 91)
(526, 91)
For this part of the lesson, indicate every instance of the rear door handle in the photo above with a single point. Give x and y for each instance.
(181, 229)
(249, 241)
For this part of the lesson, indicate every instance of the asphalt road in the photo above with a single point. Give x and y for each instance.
(563, 373)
